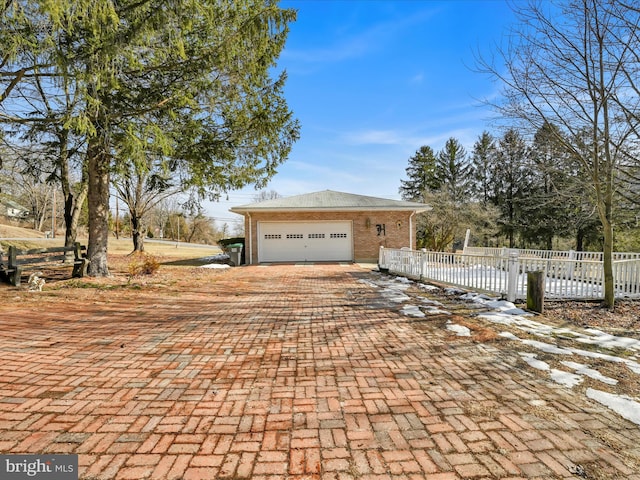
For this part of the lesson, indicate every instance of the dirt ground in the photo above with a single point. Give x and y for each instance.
(623, 320)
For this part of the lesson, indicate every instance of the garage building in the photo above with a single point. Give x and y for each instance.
(326, 226)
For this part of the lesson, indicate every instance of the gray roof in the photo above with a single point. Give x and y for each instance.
(12, 204)
(328, 200)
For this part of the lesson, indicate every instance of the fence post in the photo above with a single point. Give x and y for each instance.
(572, 264)
(535, 291)
(512, 276)
(466, 240)
(12, 256)
(381, 260)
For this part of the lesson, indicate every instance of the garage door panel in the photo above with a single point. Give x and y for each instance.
(305, 241)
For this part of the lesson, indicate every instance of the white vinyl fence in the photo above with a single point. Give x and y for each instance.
(569, 275)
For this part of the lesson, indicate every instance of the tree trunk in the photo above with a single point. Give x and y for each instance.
(580, 240)
(98, 196)
(72, 209)
(137, 232)
(609, 284)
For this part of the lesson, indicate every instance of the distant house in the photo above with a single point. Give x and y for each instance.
(327, 226)
(11, 209)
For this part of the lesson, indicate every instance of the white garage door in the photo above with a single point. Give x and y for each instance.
(304, 241)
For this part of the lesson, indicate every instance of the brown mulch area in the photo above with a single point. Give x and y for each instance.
(60, 287)
(623, 320)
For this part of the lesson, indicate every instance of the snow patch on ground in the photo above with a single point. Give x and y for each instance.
(582, 369)
(215, 265)
(216, 261)
(533, 362)
(428, 301)
(220, 257)
(454, 291)
(436, 311)
(395, 295)
(609, 341)
(589, 336)
(547, 347)
(412, 311)
(561, 377)
(459, 330)
(392, 290)
(567, 379)
(625, 406)
(508, 336)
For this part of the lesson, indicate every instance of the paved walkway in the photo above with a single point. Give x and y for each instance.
(286, 372)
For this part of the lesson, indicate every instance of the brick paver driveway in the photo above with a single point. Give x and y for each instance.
(285, 372)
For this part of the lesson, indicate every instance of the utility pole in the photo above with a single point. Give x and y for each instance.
(53, 214)
(117, 219)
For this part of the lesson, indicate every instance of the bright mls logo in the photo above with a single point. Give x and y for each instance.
(49, 467)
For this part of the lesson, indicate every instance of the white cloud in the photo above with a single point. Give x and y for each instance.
(411, 141)
(347, 45)
(375, 137)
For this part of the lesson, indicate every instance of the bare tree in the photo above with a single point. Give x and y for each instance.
(571, 64)
(443, 227)
(141, 188)
(201, 229)
(30, 187)
(39, 106)
(266, 195)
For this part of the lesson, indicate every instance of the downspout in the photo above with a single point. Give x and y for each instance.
(411, 230)
(250, 240)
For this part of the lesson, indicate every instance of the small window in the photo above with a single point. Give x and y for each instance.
(316, 235)
(338, 235)
(295, 235)
(272, 236)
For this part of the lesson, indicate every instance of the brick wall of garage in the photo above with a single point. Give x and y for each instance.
(371, 229)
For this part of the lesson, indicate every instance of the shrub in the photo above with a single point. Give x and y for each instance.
(142, 264)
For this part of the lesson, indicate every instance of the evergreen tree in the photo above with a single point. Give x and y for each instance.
(512, 183)
(421, 174)
(204, 69)
(445, 183)
(453, 171)
(554, 191)
(483, 159)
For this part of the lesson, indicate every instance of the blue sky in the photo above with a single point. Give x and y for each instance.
(371, 81)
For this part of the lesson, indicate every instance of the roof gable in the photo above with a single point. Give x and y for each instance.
(328, 200)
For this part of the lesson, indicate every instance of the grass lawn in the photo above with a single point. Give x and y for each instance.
(166, 251)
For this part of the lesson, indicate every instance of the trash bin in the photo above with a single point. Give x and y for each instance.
(235, 252)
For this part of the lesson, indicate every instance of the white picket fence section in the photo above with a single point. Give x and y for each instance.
(569, 275)
(549, 254)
